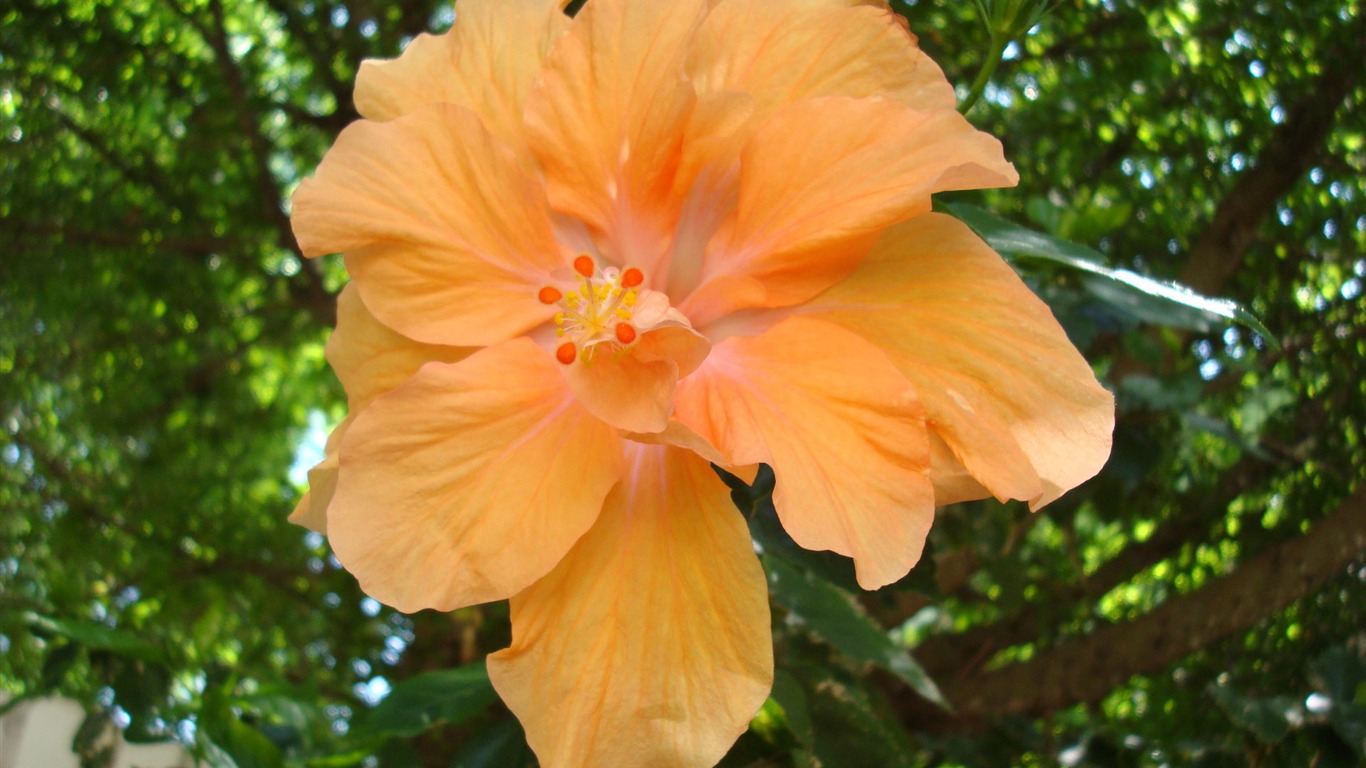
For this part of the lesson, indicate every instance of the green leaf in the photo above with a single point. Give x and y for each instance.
(833, 615)
(1269, 719)
(1341, 674)
(788, 694)
(227, 741)
(243, 745)
(444, 696)
(1159, 301)
(500, 745)
(94, 635)
(852, 727)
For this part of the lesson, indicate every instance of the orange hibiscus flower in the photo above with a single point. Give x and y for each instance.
(591, 257)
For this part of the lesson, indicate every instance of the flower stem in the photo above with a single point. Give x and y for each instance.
(998, 46)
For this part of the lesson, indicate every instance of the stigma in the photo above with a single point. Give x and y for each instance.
(597, 314)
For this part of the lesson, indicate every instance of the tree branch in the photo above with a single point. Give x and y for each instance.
(1085, 670)
(307, 290)
(961, 655)
(1292, 149)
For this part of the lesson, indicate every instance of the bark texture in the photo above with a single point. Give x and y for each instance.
(1088, 668)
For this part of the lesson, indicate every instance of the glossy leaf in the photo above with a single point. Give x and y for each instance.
(1269, 719)
(95, 635)
(1159, 301)
(834, 616)
(421, 701)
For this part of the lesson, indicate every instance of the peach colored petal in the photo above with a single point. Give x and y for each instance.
(680, 345)
(750, 58)
(486, 63)
(370, 360)
(1002, 385)
(842, 430)
(447, 237)
(679, 436)
(781, 51)
(717, 130)
(633, 388)
(811, 200)
(649, 644)
(456, 488)
(311, 511)
(623, 390)
(952, 481)
(606, 122)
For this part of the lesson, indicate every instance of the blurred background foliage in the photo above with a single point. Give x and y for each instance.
(162, 387)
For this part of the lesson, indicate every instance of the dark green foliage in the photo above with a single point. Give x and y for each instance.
(1200, 602)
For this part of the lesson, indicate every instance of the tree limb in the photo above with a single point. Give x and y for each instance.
(1085, 670)
(1292, 149)
(307, 291)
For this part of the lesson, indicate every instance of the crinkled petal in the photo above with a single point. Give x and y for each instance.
(633, 388)
(649, 644)
(811, 201)
(486, 63)
(717, 130)
(680, 436)
(952, 481)
(446, 235)
(842, 430)
(623, 390)
(311, 511)
(1002, 385)
(781, 51)
(606, 122)
(369, 359)
(470, 481)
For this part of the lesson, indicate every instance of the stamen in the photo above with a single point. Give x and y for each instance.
(596, 315)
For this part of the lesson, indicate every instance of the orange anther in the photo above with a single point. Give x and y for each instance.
(566, 353)
(584, 265)
(549, 295)
(632, 277)
(625, 333)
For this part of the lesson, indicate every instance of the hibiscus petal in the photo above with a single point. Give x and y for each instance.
(486, 62)
(1001, 383)
(812, 200)
(369, 359)
(781, 51)
(751, 58)
(624, 391)
(606, 122)
(842, 430)
(952, 481)
(447, 236)
(470, 481)
(311, 511)
(649, 644)
(633, 389)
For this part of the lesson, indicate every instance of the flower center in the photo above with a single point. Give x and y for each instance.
(598, 310)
